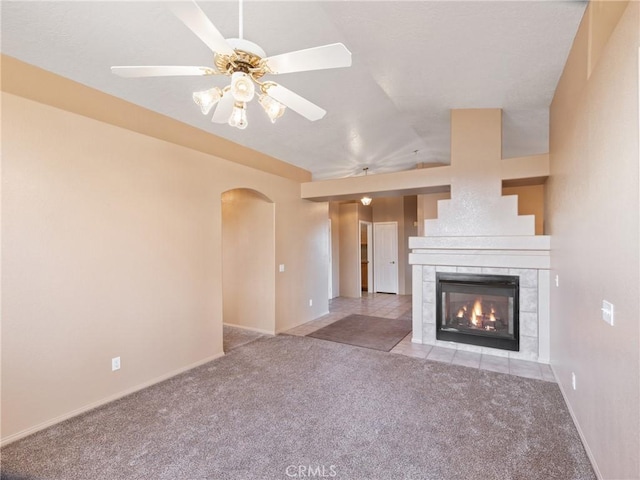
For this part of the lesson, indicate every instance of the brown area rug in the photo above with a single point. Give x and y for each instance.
(363, 331)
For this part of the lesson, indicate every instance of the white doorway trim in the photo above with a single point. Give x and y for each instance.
(369, 258)
(330, 264)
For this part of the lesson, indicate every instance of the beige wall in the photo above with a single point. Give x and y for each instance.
(112, 246)
(248, 260)
(410, 230)
(302, 246)
(334, 217)
(365, 212)
(592, 216)
(530, 202)
(349, 251)
(428, 208)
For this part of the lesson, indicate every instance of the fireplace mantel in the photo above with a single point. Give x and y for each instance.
(504, 251)
(524, 256)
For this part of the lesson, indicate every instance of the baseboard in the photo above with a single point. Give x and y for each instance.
(590, 455)
(251, 329)
(99, 403)
(281, 330)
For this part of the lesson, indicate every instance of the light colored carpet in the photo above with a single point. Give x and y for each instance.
(234, 337)
(282, 403)
(364, 331)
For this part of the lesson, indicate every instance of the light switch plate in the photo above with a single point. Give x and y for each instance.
(607, 312)
(281, 267)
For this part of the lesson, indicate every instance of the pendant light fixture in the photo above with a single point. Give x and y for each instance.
(366, 200)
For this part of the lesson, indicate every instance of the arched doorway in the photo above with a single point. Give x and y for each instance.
(248, 261)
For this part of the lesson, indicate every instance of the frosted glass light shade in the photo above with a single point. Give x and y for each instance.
(366, 200)
(242, 87)
(207, 99)
(272, 107)
(238, 116)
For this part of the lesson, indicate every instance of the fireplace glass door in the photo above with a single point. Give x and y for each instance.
(478, 310)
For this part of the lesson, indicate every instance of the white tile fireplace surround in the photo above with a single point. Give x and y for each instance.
(526, 257)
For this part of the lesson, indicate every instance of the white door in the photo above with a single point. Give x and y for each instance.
(385, 257)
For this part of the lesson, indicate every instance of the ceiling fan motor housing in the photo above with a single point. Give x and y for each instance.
(247, 58)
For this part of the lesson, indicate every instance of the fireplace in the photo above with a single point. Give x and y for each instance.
(478, 310)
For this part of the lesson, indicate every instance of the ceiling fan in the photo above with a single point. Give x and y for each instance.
(246, 63)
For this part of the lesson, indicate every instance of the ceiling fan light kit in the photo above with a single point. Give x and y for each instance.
(238, 116)
(246, 63)
(272, 107)
(207, 99)
(242, 87)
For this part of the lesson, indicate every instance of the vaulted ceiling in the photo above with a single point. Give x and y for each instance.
(413, 61)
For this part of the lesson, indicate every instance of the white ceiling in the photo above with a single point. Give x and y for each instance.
(413, 61)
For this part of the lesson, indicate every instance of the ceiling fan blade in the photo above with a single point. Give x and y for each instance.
(162, 71)
(224, 108)
(195, 19)
(335, 55)
(296, 103)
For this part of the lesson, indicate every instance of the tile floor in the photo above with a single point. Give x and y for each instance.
(396, 306)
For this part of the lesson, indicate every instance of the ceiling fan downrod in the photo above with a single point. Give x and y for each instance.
(240, 20)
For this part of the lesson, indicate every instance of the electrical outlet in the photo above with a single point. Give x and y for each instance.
(310, 302)
(573, 380)
(115, 364)
(557, 280)
(607, 312)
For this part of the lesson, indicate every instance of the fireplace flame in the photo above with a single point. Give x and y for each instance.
(479, 313)
(476, 314)
(477, 307)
